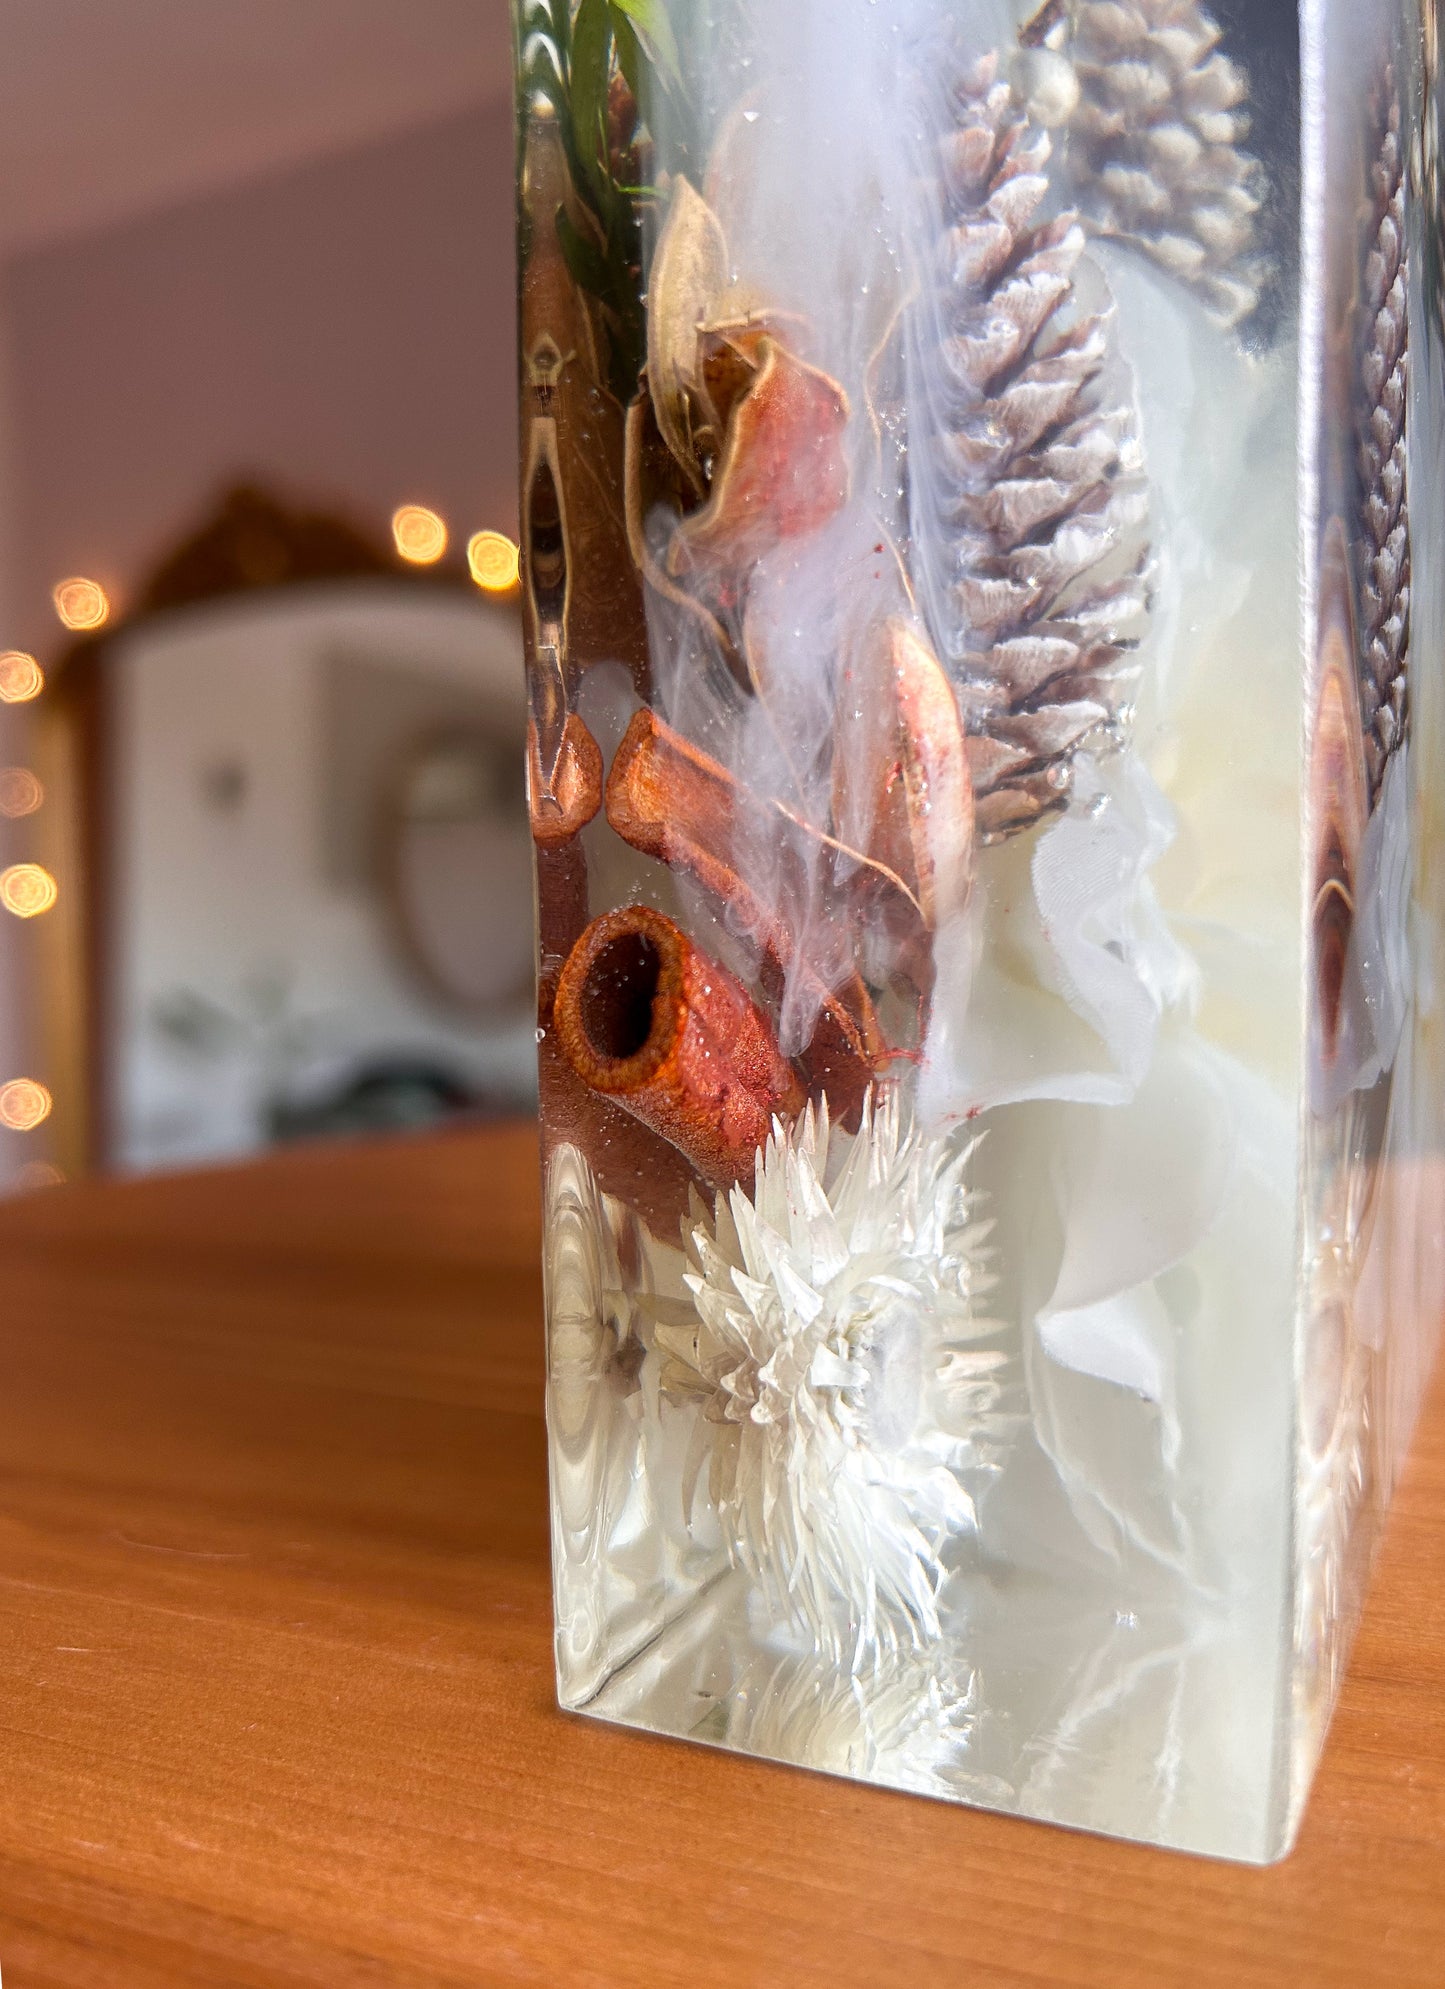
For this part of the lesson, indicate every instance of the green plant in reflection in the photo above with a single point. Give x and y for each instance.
(597, 66)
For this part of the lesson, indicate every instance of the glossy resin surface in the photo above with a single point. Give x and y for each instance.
(985, 771)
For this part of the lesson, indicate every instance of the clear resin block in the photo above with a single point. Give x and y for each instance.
(982, 566)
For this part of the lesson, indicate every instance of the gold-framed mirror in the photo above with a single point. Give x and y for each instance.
(273, 792)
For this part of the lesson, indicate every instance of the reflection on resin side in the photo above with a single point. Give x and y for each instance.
(1372, 1192)
(911, 548)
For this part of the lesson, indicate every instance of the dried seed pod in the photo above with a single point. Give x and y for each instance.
(689, 275)
(1032, 558)
(649, 1021)
(677, 804)
(1384, 516)
(1154, 115)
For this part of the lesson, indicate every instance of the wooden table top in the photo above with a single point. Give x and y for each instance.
(275, 1660)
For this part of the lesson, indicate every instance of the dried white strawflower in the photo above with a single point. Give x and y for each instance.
(843, 1397)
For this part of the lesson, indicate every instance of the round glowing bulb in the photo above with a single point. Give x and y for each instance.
(21, 677)
(420, 535)
(20, 792)
(24, 1104)
(27, 890)
(492, 557)
(81, 603)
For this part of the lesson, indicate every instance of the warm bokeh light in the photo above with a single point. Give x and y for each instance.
(20, 792)
(21, 677)
(27, 890)
(38, 1174)
(492, 557)
(24, 1104)
(81, 603)
(420, 535)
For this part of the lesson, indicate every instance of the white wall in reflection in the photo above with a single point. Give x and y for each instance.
(284, 956)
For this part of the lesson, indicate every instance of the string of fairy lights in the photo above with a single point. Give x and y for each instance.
(421, 538)
(28, 890)
(83, 606)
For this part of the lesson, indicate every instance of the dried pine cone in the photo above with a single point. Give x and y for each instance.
(1037, 471)
(1384, 573)
(1153, 114)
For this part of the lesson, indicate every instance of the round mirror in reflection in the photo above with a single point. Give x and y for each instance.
(458, 859)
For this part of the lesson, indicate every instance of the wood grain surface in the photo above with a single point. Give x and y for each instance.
(275, 1667)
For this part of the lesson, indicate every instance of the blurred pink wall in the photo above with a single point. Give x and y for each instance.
(343, 330)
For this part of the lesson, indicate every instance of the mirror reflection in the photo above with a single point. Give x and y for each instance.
(264, 863)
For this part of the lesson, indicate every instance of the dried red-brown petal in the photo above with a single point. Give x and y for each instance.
(569, 801)
(782, 473)
(902, 786)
